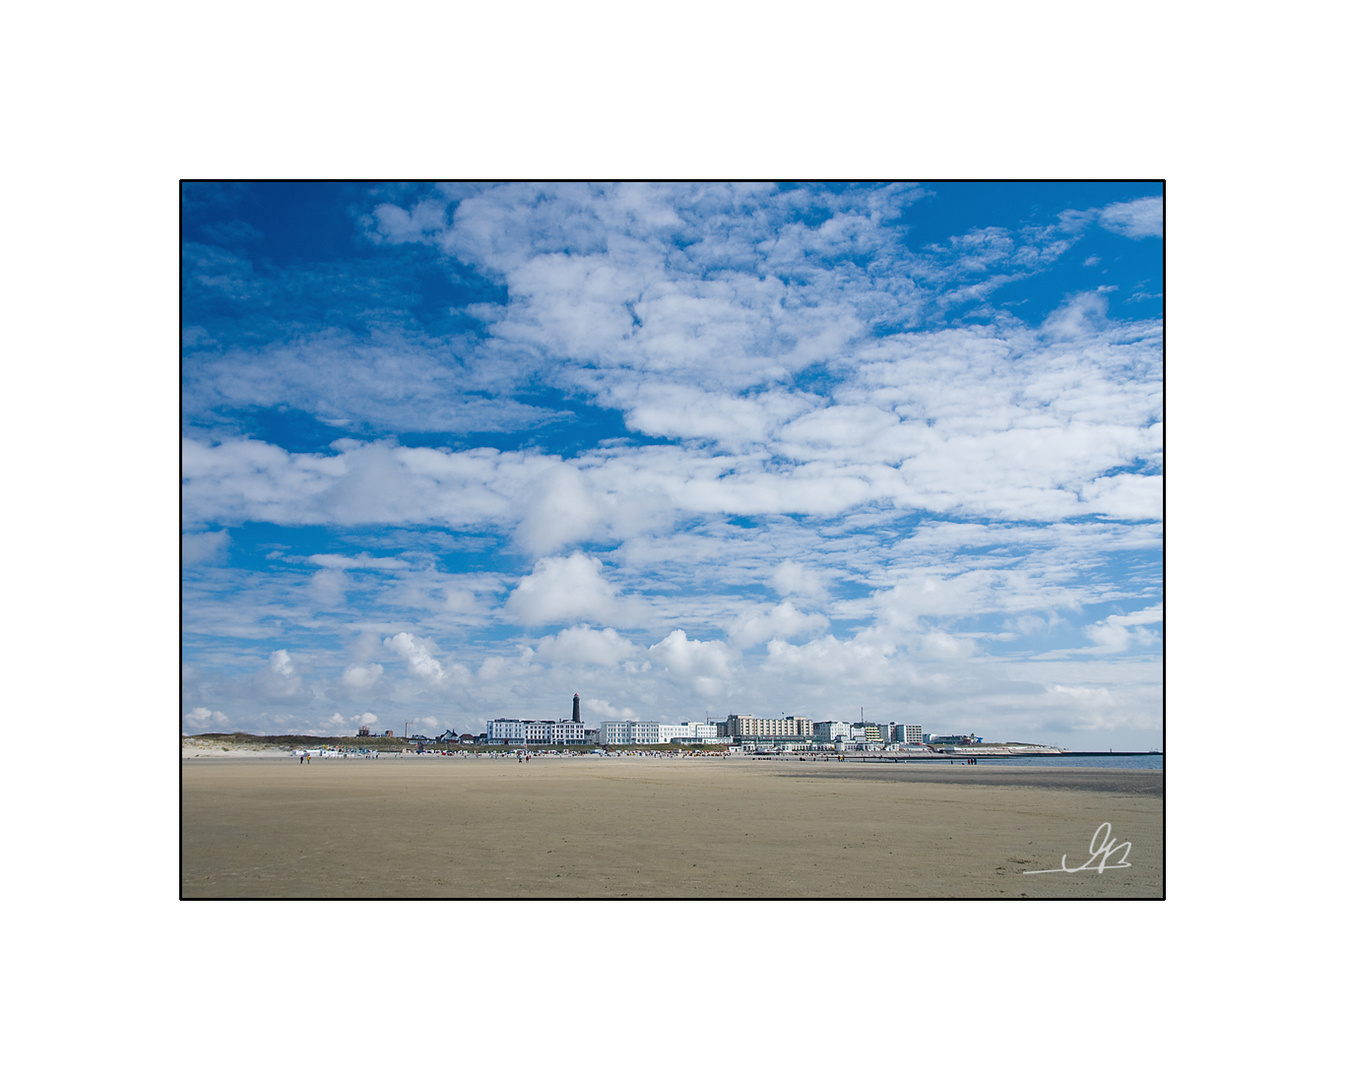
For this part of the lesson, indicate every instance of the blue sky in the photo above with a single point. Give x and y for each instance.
(456, 452)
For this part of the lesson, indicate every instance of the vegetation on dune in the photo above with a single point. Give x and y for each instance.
(244, 740)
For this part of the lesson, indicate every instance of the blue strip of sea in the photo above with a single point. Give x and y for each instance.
(1084, 761)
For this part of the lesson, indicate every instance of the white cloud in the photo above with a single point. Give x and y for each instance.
(1136, 219)
(704, 666)
(337, 724)
(939, 645)
(564, 590)
(600, 708)
(360, 562)
(280, 678)
(417, 655)
(581, 645)
(1082, 315)
(559, 511)
(1109, 636)
(1118, 633)
(791, 578)
(1125, 495)
(361, 676)
(783, 621)
(393, 224)
(328, 588)
(203, 719)
(862, 661)
(205, 548)
(686, 412)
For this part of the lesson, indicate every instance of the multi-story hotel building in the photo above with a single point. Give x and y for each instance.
(648, 732)
(748, 726)
(830, 731)
(534, 732)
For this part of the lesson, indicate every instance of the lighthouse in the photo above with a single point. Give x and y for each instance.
(575, 710)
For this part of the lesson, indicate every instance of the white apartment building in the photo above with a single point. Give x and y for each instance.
(647, 732)
(905, 733)
(534, 732)
(830, 731)
(692, 731)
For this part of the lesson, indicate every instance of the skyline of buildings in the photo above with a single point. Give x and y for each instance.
(736, 729)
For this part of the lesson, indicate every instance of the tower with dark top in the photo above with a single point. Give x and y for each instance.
(575, 712)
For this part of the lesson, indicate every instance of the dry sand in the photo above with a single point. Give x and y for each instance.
(651, 827)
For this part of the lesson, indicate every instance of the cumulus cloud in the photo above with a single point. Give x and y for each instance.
(581, 645)
(705, 666)
(735, 422)
(337, 724)
(1083, 314)
(358, 562)
(328, 587)
(1118, 633)
(791, 578)
(783, 621)
(822, 661)
(378, 381)
(358, 483)
(565, 589)
(417, 655)
(203, 719)
(559, 511)
(939, 645)
(1136, 219)
(393, 224)
(361, 676)
(1125, 495)
(205, 548)
(279, 679)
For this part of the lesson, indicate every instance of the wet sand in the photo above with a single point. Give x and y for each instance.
(666, 828)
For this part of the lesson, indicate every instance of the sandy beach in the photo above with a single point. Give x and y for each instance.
(264, 826)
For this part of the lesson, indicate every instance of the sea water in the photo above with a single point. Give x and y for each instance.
(1087, 761)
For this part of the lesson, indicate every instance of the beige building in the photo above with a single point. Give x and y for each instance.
(769, 727)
